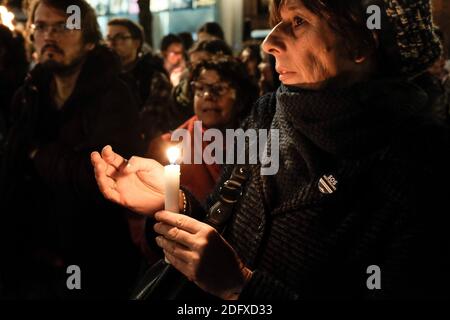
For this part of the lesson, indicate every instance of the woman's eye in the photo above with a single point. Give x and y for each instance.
(298, 21)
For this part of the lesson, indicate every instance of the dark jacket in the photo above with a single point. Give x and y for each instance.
(390, 161)
(2, 133)
(10, 80)
(150, 83)
(183, 104)
(52, 213)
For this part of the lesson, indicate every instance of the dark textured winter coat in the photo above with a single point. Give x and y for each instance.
(389, 209)
(53, 214)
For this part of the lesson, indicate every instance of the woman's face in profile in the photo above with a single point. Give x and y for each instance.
(307, 50)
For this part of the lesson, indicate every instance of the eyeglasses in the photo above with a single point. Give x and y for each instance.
(217, 90)
(118, 37)
(176, 53)
(57, 28)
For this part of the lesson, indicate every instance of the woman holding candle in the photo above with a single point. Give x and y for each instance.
(355, 209)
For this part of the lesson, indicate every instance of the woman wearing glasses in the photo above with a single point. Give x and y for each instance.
(222, 96)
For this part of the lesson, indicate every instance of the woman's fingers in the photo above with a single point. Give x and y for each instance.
(96, 159)
(175, 234)
(105, 183)
(136, 164)
(101, 166)
(180, 265)
(174, 250)
(107, 187)
(180, 221)
(112, 158)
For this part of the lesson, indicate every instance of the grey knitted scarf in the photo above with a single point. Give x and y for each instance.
(318, 126)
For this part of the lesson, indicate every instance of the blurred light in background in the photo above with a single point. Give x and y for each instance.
(6, 18)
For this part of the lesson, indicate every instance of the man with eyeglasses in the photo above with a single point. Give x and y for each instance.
(126, 39)
(72, 103)
(145, 74)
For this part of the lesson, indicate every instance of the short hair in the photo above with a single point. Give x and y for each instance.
(212, 28)
(168, 40)
(89, 25)
(186, 38)
(213, 47)
(135, 30)
(347, 18)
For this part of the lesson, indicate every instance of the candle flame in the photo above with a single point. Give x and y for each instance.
(6, 18)
(173, 153)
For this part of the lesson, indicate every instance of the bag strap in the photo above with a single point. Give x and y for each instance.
(229, 194)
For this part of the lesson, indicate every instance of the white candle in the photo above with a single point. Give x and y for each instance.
(172, 181)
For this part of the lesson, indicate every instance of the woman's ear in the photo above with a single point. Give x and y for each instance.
(361, 53)
(360, 59)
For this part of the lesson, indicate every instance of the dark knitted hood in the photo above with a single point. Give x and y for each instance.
(351, 121)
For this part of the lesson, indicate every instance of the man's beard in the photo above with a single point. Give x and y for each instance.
(61, 69)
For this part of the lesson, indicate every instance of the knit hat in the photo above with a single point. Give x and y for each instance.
(412, 37)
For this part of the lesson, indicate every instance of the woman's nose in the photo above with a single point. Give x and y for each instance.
(207, 95)
(274, 44)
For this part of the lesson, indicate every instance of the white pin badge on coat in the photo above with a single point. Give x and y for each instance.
(327, 184)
